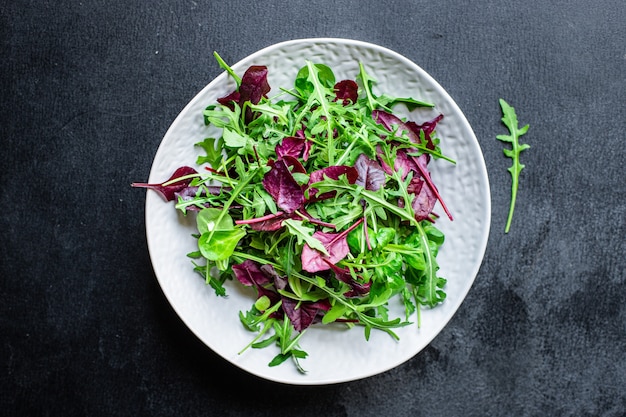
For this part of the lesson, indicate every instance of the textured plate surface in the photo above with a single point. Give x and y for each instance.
(335, 354)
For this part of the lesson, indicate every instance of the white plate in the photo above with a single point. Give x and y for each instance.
(334, 355)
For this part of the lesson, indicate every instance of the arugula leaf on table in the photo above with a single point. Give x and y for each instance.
(510, 121)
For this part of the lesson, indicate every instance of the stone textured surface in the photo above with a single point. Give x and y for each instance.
(88, 91)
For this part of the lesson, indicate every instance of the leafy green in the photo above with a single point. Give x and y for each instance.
(510, 121)
(304, 234)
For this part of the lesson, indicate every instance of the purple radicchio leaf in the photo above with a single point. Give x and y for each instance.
(283, 188)
(332, 172)
(168, 192)
(371, 174)
(336, 245)
(346, 90)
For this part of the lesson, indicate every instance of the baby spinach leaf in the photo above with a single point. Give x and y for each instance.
(220, 245)
(211, 219)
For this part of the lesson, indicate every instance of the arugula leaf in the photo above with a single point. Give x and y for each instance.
(213, 149)
(227, 68)
(510, 121)
(304, 234)
(410, 103)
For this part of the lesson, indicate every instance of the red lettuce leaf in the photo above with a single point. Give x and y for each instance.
(424, 199)
(428, 128)
(253, 87)
(307, 143)
(336, 245)
(403, 164)
(371, 175)
(249, 274)
(254, 84)
(292, 146)
(421, 164)
(283, 188)
(168, 192)
(293, 163)
(332, 172)
(231, 98)
(270, 225)
(388, 120)
(347, 91)
(413, 132)
(304, 315)
(412, 129)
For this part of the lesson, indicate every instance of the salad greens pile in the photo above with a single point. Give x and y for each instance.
(319, 199)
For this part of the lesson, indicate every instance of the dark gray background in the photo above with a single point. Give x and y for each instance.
(88, 90)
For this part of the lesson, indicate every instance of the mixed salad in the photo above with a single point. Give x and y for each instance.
(320, 199)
